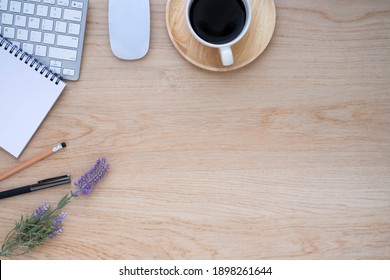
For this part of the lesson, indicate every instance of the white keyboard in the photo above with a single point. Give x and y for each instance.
(50, 30)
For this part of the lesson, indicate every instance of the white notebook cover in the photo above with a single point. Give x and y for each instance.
(26, 96)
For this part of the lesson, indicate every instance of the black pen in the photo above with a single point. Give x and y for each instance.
(40, 185)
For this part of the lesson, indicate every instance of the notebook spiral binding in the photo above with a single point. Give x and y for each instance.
(29, 60)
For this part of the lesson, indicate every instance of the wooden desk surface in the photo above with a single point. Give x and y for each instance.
(287, 158)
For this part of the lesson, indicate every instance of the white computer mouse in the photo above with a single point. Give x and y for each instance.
(129, 28)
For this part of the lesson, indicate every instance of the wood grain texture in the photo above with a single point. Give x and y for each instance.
(245, 51)
(286, 158)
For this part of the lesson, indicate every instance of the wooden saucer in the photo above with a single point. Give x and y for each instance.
(245, 51)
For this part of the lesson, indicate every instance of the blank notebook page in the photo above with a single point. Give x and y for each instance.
(26, 97)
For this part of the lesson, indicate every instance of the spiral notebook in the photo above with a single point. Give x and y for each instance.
(28, 90)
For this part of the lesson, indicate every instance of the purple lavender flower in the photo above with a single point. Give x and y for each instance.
(57, 229)
(90, 179)
(55, 232)
(41, 210)
(59, 219)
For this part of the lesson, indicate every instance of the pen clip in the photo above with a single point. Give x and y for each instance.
(51, 182)
(55, 179)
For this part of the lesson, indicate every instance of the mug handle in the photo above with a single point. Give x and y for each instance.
(226, 56)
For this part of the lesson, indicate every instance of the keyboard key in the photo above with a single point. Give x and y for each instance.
(3, 5)
(40, 50)
(16, 43)
(56, 63)
(9, 32)
(36, 36)
(56, 70)
(77, 4)
(67, 41)
(63, 3)
(74, 28)
(28, 48)
(64, 54)
(47, 24)
(42, 10)
(73, 15)
(28, 8)
(49, 38)
(55, 12)
(34, 22)
(69, 72)
(7, 18)
(15, 6)
(49, 1)
(20, 21)
(22, 34)
(60, 26)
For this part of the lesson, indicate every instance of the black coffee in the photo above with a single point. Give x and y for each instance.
(217, 21)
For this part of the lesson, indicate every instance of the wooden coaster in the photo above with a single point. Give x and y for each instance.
(245, 51)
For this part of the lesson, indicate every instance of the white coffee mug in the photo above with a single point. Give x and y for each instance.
(225, 50)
